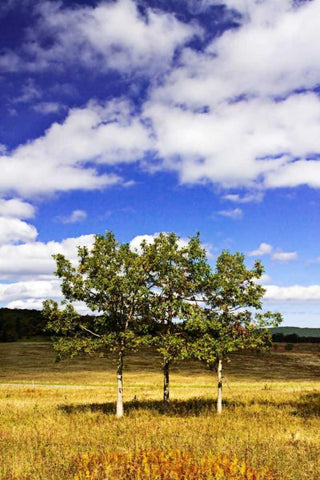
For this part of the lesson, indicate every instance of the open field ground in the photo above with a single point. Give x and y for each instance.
(57, 420)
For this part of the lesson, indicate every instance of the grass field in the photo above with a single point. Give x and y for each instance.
(57, 419)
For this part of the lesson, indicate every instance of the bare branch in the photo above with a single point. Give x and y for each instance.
(87, 330)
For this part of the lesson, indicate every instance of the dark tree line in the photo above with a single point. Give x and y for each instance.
(293, 338)
(24, 324)
(16, 324)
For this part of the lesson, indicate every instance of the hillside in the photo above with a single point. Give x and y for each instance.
(299, 331)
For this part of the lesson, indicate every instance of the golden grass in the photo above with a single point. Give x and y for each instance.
(271, 418)
(171, 465)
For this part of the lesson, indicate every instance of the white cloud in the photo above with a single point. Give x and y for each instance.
(264, 278)
(231, 115)
(13, 230)
(267, 138)
(246, 198)
(294, 293)
(35, 259)
(235, 213)
(31, 294)
(31, 289)
(265, 56)
(279, 255)
(297, 172)
(28, 304)
(135, 243)
(263, 249)
(284, 256)
(228, 115)
(16, 208)
(74, 217)
(68, 155)
(37, 304)
(111, 35)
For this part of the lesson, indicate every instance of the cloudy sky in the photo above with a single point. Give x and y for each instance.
(142, 116)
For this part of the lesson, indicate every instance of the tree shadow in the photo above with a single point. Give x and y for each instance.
(194, 407)
(307, 406)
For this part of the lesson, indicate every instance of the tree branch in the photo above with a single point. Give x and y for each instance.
(87, 330)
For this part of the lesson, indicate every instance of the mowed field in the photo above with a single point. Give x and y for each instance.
(57, 420)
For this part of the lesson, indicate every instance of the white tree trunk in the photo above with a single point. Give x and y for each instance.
(166, 381)
(219, 400)
(120, 386)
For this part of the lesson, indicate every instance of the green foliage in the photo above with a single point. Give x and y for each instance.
(227, 321)
(165, 295)
(111, 280)
(176, 270)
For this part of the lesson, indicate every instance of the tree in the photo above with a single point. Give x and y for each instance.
(228, 322)
(111, 280)
(176, 271)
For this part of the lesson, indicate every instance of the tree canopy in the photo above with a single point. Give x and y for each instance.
(165, 294)
(230, 318)
(176, 271)
(112, 281)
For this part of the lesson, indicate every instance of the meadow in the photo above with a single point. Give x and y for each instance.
(57, 420)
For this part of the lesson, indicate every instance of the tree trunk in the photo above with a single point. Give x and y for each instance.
(219, 400)
(120, 386)
(166, 364)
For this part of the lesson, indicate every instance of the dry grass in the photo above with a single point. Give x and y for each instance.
(271, 418)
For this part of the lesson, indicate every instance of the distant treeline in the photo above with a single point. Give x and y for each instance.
(22, 324)
(19, 324)
(293, 338)
(16, 324)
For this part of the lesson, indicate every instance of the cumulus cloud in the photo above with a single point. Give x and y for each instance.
(276, 254)
(30, 290)
(239, 113)
(110, 35)
(69, 155)
(135, 243)
(265, 56)
(13, 230)
(16, 208)
(30, 294)
(35, 259)
(37, 304)
(267, 139)
(294, 293)
(232, 115)
(264, 278)
(263, 249)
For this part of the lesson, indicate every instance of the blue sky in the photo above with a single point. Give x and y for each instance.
(152, 116)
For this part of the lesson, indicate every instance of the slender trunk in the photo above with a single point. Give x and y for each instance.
(120, 385)
(219, 400)
(166, 364)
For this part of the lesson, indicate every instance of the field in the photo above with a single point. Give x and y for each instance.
(57, 419)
